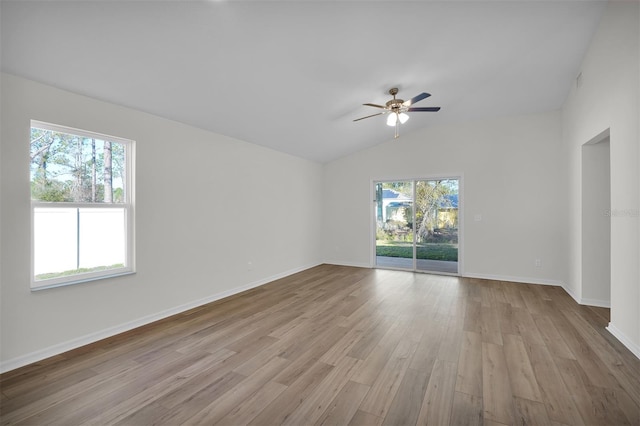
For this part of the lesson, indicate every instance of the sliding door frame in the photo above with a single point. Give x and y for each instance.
(373, 218)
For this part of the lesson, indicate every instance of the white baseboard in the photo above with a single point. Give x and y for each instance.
(353, 264)
(585, 301)
(624, 339)
(579, 300)
(59, 348)
(525, 280)
(595, 302)
(571, 293)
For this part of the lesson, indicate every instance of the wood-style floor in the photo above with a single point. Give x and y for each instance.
(338, 345)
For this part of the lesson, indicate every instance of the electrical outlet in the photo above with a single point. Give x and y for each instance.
(249, 266)
(538, 263)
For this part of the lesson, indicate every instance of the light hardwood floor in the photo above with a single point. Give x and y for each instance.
(339, 345)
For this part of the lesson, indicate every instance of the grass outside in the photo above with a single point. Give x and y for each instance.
(50, 275)
(430, 251)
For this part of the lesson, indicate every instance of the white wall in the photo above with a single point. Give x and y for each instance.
(607, 101)
(512, 177)
(206, 205)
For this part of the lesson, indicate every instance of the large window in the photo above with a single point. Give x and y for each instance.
(81, 205)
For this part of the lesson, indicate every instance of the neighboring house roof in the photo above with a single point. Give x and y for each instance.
(399, 204)
(395, 195)
(450, 202)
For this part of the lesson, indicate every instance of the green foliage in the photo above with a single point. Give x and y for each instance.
(118, 195)
(67, 167)
(50, 191)
(446, 252)
(431, 196)
(70, 272)
(382, 235)
(405, 188)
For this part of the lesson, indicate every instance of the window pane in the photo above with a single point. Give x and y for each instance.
(55, 240)
(72, 168)
(102, 238)
(70, 241)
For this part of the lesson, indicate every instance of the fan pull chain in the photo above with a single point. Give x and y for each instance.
(397, 125)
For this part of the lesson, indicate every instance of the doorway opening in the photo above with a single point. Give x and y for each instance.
(596, 222)
(416, 224)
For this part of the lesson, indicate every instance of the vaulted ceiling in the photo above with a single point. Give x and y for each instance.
(293, 75)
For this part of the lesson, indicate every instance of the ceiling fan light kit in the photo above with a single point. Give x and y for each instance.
(398, 108)
(394, 118)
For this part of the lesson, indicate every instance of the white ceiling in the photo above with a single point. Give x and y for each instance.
(293, 75)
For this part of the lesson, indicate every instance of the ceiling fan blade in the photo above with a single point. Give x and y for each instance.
(415, 99)
(369, 116)
(376, 106)
(424, 109)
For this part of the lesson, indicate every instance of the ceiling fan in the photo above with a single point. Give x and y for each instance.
(398, 108)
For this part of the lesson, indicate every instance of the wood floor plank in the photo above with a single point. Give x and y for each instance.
(533, 302)
(362, 418)
(379, 355)
(406, 405)
(343, 345)
(497, 396)
(115, 393)
(473, 317)
(530, 412)
(281, 408)
(235, 395)
(449, 349)
(506, 316)
(345, 405)
(113, 411)
(487, 299)
(586, 356)
(558, 402)
(428, 348)
(29, 406)
(384, 388)
(194, 385)
(498, 292)
(513, 295)
(526, 327)
(248, 409)
(552, 338)
(592, 402)
(438, 399)
(319, 346)
(374, 337)
(490, 325)
(309, 335)
(467, 410)
(469, 372)
(318, 401)
(618, 367)
(523, 381)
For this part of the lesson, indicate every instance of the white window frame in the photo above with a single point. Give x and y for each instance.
(128, 205)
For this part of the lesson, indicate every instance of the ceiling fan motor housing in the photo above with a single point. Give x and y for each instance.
(395, 105)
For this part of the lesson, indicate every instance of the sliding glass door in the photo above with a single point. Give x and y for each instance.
(417, 225)
(394, 225)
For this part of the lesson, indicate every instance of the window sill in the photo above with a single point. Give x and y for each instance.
(44, 285)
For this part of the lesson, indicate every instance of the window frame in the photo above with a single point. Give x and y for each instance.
(128, 205)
